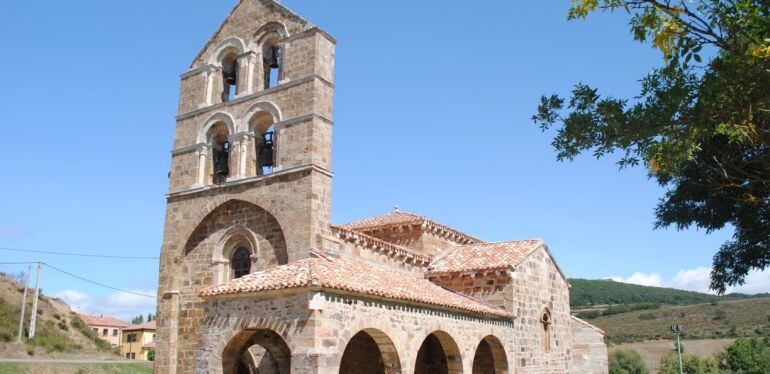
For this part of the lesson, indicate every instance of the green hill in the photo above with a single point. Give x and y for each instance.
(588, 293)
(714, 320)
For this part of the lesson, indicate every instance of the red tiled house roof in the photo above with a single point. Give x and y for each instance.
(356, 276)
(483, 256)
(142, 326)
(399, 218)
(376, 244)
(102, 321)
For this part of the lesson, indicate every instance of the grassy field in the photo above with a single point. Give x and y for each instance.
(138, 368)
(652, 351)
(726, 319)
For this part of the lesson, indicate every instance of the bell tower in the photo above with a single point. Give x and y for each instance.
(250, 180)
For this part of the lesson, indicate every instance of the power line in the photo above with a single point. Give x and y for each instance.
(18, 263)
(97, 283)
(77, 254)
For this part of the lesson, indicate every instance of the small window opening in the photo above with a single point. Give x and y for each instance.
(229, 77)
(546, 339)
(266, 151)
(272, 63)
(240, 262)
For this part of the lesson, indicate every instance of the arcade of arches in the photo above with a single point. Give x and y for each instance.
(369, 351)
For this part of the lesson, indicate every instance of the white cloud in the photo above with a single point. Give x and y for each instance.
(698, 279)
(119, 304)
(643, 279)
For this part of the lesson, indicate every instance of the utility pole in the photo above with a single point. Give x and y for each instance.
(34, 303)
(24, 301)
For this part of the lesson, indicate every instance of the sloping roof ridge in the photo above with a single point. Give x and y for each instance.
(583, 322)
(501, 242)
(229, 15)
(398, 248)
(423, 220)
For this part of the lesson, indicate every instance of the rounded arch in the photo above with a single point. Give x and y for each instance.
(214, 119)
(262, 107)
(260, 349)
(490, 357)
(370, 351)
(239, 219)
(545, 327)
(271, 29)
(234, 44)
(438, 354)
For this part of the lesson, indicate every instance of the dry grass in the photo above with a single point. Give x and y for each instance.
(727, 319)
(652, 351)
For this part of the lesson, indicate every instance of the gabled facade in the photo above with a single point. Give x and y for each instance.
(254, 278)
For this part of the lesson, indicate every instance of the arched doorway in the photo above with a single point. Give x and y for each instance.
(259, 351)
(490, 357)
(370, 351)
(438, 354)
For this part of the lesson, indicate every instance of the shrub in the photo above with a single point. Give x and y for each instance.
(748, 356)
(589, 314)
(720, 315)
(151, 355)
(30, 350)
(627, 361)
(669, 364)
(647, 316)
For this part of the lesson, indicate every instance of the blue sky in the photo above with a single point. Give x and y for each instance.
(432, 111)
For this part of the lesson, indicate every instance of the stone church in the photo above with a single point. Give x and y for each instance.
(254, 277)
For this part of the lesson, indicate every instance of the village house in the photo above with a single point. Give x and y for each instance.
(255, 278)
(105, 327)
(138, 340)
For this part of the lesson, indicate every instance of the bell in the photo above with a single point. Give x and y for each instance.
(266, 150)
(273, 60)
(231, 76)
(221, 160)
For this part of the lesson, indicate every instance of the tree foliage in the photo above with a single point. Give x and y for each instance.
(627, 361)
(748, 356)
(700, 126)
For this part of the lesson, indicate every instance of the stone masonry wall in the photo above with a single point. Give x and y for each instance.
(589, 353)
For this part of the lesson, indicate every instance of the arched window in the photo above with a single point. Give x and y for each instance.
(229, 75)
(272, 60)
(545, 322)
(240, 262)
(265, 150)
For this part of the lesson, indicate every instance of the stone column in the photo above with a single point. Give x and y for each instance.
(244, 153)
(203, 152)
(246, 64)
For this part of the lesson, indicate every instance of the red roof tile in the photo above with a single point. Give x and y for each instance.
(399, 218)
(150, 345)
(394, 250)
(142, 326)
(483, 256)
(102, 321)
(355, 276)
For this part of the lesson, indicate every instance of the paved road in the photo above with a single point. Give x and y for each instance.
(65, 361)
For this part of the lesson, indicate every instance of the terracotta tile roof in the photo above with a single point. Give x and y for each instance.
(150, 345)
(399, 218)
(483, 256)
(356, 276)
(375, 244)
(142, 326)
(102, 321)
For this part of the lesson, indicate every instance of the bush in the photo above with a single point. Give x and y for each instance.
(627, 361)
(589, 314)
(748, 356)
(669, 364)
(647, 316)
(720, 315)
(151, 355)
